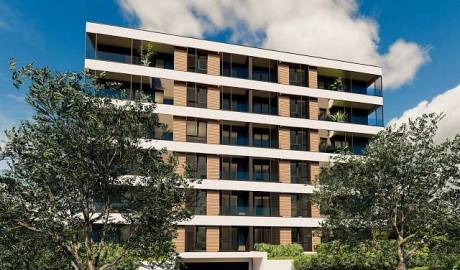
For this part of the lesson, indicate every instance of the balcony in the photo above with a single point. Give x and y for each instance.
(249, 169)
(344, 143)
(128, 51)
(352, 82)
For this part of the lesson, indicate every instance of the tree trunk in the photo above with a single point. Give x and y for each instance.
(401, 260)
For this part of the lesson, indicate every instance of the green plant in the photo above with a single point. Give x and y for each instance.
(146, 52)
(400, 186)
(339, 255)
(66, 166)
(280, 251)
(337, 85)
(338, 116)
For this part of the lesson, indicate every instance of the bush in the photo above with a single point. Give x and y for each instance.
(337, 255)
(289, 251)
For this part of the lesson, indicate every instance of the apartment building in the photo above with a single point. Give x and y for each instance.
(256, 125)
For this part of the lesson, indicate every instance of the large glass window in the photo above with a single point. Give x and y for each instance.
(111, 48)
(197, 165)
(234, 239)
(264, 102)
(234, 99)
(196, 131)
(197, 61)
(300, 205)
(234, 134)
(298, 75)
(234, 168)
(265, 136)
(298, 107)
(195, 238)
(302, 236)
(234, 203)
(265, 170)
(234, 65)
(299, 139)
(299, 172)
(268, 235)
(196, 95)
(196, 202)
(264, 69)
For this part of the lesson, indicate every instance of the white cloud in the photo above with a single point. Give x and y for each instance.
(328, 28)
(446, 103)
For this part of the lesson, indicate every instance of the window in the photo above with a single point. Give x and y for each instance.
(300, 205)
(266, 204)
(298, 107)
(195, 238)
(268, 235)
(197, 61)
(302, 236)
(234, 203)
(196, 202)
(234, 239)
(197, 165)
(265, 170)
(196, 95)
(234, 134)
(196, 131)
(299, 172)
(299, 139)
(234, 168)
(298, 75)
(265, 137)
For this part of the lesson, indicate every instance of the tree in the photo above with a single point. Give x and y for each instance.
(81, 181)
(404, 187)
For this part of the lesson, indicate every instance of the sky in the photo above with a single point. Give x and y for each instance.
(415, 42)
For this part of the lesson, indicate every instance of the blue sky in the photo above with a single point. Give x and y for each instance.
(51, 33)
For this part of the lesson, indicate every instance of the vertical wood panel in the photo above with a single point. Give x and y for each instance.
(213, 165)
(212, 239)
(213, 98)
(314, 140)
(180, 93)
(283, 105)
(179, 129)
(180, 59)
(312, 77)
(283, 73)
(284, 138)
(285, 171)
(212, 203)
(285, 205)
(179, 240)
(213, 132)
(213, 63)
(285, 236)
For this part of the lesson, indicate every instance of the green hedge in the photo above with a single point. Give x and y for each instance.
(290, 251)
(336, 255)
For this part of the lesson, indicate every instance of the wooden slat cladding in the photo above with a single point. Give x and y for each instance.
(212, 239)
(180, 93)
(313, 110)
(181, 160)
(283, 105)
(285, 171)
(213, 97)
(179, 128)
(285, 205)
(285, 236)
(312, 77)
(314, 172)
(212, 203)
(283, 73)
(314, 140)
(213, 165)
(180, 59)
(213, 132)
(179, 240)
(284, 138)
(213, 64)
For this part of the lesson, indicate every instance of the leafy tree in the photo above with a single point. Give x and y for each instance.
(404, 187)
(80, 176)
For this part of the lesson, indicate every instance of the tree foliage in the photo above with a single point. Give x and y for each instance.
(404, 187)
(80, 172)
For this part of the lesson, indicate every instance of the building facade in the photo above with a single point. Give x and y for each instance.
(256, 125)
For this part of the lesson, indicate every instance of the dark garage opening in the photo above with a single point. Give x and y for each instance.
(216, 266)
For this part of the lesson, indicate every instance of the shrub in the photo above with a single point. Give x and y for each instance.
(289, 251)
(337, 255)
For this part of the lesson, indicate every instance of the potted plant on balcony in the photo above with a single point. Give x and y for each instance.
(146, 53)
(338, 116)
(337, 85)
